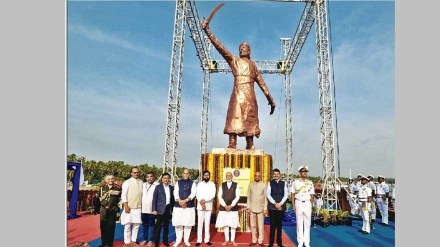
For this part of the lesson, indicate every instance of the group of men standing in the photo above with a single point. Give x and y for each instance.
(363, 197)
(153, 204)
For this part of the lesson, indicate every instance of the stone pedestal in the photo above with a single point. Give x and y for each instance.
(243, 164)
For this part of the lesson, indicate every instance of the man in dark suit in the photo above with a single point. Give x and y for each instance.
(162, 198)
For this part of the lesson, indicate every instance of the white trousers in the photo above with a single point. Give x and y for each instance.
(365, 213)
(373, 212)
(383, 208)
(129, 234)
(185, 231)
(203, 217)
(303, 219)
(352, 205)
(226, 231)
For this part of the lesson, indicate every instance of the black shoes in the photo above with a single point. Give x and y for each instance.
(208, 243)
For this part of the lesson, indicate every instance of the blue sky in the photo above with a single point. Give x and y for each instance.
(118, 63)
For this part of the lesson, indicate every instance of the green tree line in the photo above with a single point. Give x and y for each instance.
(95, 171)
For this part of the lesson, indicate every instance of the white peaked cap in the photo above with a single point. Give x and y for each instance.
(303, 167)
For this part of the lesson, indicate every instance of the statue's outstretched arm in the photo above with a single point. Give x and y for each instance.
(260, 81)
(217, 44)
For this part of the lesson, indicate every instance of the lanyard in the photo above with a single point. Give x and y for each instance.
(149, 187)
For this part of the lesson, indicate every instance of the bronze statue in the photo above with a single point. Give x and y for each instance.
(242, 116)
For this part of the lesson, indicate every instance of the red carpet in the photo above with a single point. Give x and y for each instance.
(86, 228)
(242, 238)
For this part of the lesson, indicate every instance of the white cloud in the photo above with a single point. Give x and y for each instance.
(98, 35)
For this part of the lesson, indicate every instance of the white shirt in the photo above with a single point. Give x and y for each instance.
(393, 195)
(220, 194)
(372, 186)
(147, 197)
(317, 202)
(269, 196)
(191, 196)
(353, 188)
(364, 193)
(358, 185)
(303, 189)
(205, 191)
(383, 188)
(167, 193)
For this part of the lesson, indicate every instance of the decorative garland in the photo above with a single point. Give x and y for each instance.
(215, 163)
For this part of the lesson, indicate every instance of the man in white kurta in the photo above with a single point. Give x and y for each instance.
(383, 191)
(148, 219)
(132, 203)
(228, 196)
(365, 199)
(303, 193)
(183, 211)
(205, 194)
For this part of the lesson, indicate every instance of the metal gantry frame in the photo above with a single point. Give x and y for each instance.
(186, 12)
(326, 108)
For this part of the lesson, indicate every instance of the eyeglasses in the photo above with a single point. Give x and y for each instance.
(135, 172)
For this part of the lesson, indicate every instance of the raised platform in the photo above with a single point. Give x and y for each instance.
(87, 229)
(238, 151)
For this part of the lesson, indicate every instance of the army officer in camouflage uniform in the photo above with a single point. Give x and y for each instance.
(109, 196)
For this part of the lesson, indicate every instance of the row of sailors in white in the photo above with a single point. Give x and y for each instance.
(380, 194)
